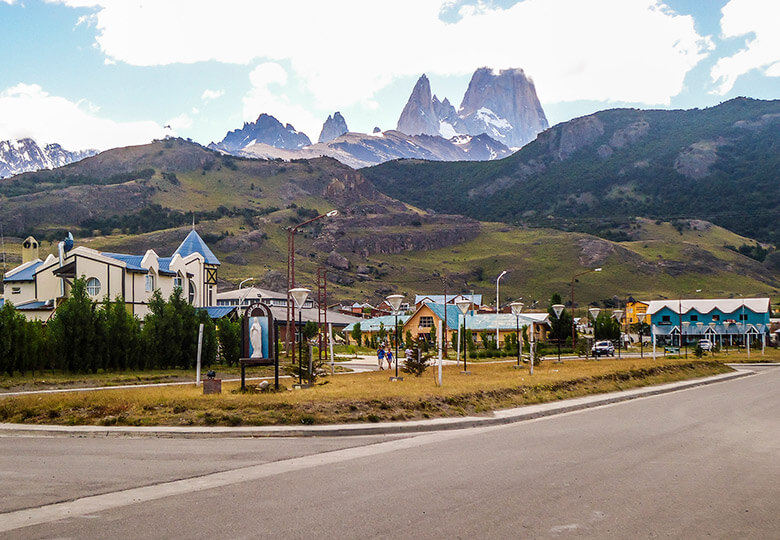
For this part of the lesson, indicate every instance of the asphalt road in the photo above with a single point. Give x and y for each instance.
(700, 463)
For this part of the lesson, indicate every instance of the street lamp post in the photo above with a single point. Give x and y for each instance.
(463, 306)
(394, 300)
(618, 315)
(594, 313)
(291, 271)
(517, 308)
(558, 309)
(299, 295)
(573, 326)
(498, 304)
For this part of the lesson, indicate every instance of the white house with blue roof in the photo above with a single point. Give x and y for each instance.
(37, 286)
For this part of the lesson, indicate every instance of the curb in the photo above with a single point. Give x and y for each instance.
(500, 417)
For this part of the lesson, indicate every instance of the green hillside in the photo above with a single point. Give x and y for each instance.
(719, 164)
(145, 197)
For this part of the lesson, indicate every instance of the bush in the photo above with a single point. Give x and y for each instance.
(417, 364)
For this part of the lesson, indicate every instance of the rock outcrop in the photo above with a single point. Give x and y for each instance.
(333, 127)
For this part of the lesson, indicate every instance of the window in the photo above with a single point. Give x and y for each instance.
(743, 316)
(694, 318)
(715, 318)
(666, 319)
(191, 293)
(149, 282)
(16, 290)
(177, 282)
(93, 286)
(426, 322)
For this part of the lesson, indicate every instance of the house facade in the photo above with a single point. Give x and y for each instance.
(729, 321)
(636, 311)
(37, 287)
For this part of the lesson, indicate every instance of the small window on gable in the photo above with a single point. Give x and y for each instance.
(177, 282)
(694, 318)
(16, 290)
(743, 317)
(666, 318)
(716, 317)
(149, 282)
(93, 286)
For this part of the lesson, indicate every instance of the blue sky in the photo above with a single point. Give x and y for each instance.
(106, 73)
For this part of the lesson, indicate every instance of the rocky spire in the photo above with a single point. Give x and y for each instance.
(419, 116)
(333, 127)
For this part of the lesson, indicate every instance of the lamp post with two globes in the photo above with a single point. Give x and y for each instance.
(594, 313)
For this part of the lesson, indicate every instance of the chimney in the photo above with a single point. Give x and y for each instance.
(29, 249)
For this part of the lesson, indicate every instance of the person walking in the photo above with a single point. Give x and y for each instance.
(389, 359)
(409, 352)
(380, 356)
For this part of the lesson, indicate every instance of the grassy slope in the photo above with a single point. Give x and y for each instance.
(542, 260)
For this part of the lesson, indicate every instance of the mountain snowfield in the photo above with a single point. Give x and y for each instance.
(25, 155)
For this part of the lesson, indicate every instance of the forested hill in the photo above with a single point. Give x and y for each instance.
(589, 174)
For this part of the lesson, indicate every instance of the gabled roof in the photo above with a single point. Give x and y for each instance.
(195, 244)
(439, 298)
(453, 313)
(23, 272)
(725, 305)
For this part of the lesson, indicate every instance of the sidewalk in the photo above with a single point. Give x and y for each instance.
(506, 416)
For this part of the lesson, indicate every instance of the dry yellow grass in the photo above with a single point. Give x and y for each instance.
(353, 397)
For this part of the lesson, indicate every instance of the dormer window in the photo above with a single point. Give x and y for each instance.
(178, 282)
(149, 282)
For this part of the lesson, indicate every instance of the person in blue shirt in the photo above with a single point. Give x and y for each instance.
(389, 359)
(380, 356)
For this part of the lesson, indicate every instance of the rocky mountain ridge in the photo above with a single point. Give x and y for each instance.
(25, 155)
(360, 150)
(265, 130)
(502, 104)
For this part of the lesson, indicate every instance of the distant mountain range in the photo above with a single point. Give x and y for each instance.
(596, 173)
(500, 110)
(25, 155)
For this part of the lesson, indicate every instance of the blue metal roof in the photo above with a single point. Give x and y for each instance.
(165, 266)
(453, 313)
(35, 305)
(217, 312)
(23, 273)
(133, 262)
(195, 244)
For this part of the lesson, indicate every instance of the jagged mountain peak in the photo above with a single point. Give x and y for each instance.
(333, 127)
(266, 130)
(500, 103)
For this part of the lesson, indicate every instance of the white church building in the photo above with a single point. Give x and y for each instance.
(36, 287)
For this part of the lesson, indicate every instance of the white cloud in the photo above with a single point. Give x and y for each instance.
(183, 121)
(211, 95)
(758, 20)
(267, 96)
(26, 110)
(622, 50)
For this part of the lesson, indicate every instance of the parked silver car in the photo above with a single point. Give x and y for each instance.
(603, 348)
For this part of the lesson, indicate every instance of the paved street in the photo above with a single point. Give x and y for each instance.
(690, 464)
